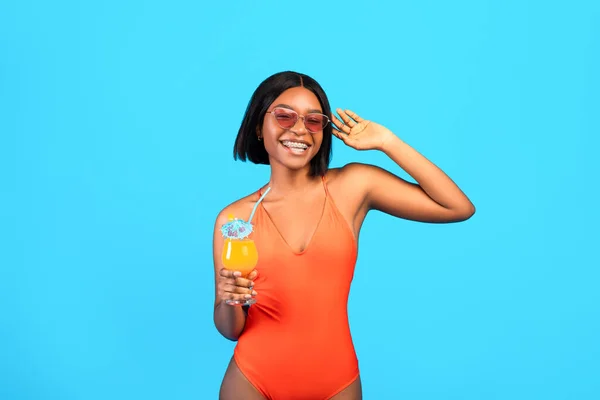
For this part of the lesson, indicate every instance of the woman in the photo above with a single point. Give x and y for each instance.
(294, 342)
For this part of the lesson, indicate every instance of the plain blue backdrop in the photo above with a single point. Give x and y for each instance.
(117, 122)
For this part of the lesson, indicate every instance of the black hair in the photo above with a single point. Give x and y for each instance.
(248, 147)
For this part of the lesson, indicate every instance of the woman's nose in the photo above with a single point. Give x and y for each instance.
(299, 127)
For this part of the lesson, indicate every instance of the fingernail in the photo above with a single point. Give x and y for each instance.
(247, 296)
(237, 273)
(254, 293)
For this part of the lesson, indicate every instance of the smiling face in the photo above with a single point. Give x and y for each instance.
(292, 148)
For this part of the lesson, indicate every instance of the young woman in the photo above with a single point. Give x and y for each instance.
(295, 342)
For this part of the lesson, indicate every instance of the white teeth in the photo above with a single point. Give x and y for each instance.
(295, 145)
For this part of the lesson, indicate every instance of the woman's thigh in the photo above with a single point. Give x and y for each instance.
(235, 386)
(352, 392)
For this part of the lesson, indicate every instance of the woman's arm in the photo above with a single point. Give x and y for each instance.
(229, 320)
(435, 197)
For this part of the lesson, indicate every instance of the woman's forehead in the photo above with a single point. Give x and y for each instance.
(298, 99)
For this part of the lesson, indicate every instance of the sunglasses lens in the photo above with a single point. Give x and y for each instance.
(286, 119)
(315, 122)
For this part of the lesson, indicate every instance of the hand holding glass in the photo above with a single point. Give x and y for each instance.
(240, 255)
(239, 252)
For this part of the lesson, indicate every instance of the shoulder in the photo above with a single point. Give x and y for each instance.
(354, 173)
(351, 182)
(240, 208)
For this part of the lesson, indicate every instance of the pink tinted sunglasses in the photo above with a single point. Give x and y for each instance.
(314, 122)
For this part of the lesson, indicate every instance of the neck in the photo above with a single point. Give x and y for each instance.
(284, 181)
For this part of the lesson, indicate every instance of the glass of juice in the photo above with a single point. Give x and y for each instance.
(240, 255)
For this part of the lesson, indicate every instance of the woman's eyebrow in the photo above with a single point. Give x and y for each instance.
(312, 110)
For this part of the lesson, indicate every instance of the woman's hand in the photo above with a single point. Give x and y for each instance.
(359, 133)
(232, 286)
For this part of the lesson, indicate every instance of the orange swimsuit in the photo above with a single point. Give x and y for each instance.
(296, 343)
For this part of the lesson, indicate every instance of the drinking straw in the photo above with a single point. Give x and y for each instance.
(257, 203)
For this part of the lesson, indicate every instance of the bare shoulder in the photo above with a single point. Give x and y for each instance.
(351, 177)
(240, 208)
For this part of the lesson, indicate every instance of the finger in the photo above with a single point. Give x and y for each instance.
(252, 275)
(236, 297)
(354, 116)
(227, 273)
(239, 290)
(340, 125)
(347, 120)
(243, 282)
(339, 135)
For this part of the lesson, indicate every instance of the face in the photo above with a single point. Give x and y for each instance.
(295, 146)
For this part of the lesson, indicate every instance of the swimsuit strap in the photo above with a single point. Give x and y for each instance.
(325, 184)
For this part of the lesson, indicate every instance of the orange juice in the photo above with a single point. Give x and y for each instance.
(240, 255)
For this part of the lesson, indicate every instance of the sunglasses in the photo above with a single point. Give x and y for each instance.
(313, 122)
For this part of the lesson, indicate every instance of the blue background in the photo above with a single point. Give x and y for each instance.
(117, 124)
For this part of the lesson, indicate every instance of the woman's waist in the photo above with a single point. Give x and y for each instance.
(304, 345)
(283, 313)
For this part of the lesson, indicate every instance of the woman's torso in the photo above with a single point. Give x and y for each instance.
(300, 316)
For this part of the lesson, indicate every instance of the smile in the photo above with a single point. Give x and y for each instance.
(295, 147)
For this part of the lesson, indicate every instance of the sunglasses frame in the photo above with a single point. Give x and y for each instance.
(298, 116)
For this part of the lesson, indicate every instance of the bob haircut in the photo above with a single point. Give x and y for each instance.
(248, 147)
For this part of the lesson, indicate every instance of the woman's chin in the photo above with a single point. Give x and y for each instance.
(295, 164)
(291, 159)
